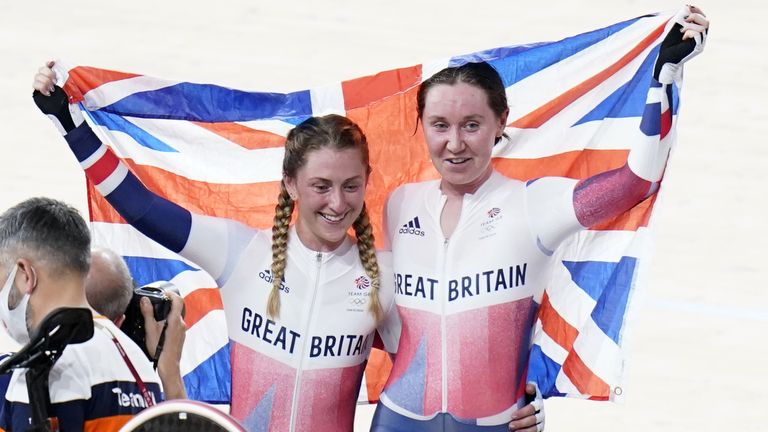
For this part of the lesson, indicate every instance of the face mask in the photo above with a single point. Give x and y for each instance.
(15, 321)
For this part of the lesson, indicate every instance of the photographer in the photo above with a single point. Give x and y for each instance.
(109, 289)
(95, 385)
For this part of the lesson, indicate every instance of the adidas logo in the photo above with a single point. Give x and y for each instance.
(412, 227)
(267, 276)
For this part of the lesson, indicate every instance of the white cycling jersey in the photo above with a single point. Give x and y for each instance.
(467, 303)
(300, 371)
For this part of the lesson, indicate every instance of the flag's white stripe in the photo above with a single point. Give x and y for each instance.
(608, 134)
(656, 95)
(127, 240)
(577, 109)
(239, 166)
(607, 246)
(432, 67)
(61, 69)
(558, 134)
(600, 353)
(276, 127)
(564, 385)
(203, 340)
(206, 156)
(572, 303)
(111, 92)
(189, 281)
(362, 396)
(549, 83)
(328, 99)
(548, 346)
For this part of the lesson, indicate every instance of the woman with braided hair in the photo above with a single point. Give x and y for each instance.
(301, 301)
(314, 135)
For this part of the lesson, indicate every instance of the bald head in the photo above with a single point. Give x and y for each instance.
(109, 286)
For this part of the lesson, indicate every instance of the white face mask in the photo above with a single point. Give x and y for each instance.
(15, 321)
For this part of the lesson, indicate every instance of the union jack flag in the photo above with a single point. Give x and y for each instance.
(575, 109)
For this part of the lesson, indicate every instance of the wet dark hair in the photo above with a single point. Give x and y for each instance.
(481, 75)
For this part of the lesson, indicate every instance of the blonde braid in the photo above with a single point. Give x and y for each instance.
(283, 211)
(367, 251)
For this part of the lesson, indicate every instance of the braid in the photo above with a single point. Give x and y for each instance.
(283, 211)
(365, 247)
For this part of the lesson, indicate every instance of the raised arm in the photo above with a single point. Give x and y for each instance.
(212, 243)
(606, 195)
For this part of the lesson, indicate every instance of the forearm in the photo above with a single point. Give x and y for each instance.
(173, 384)
(154, 216)
(606, 195)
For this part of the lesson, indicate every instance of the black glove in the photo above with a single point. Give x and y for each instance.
(57, 105)
(675, 51)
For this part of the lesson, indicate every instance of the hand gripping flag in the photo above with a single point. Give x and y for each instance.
(575, 110)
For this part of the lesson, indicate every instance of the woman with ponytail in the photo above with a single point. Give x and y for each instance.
(302, 301)
(485, 242)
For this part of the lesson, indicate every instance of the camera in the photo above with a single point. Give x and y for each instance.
(155, 292)
(133, 325)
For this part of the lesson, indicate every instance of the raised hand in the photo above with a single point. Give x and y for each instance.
(53, 101)
(684, 41)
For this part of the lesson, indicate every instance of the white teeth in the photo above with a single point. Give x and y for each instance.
(330, 218)
(457, 160)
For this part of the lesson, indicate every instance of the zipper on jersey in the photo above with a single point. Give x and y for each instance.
(444, 332)
(444, 304)
(302, 359)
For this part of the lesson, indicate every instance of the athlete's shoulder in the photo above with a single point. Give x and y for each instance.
(409, 189)
(410, 194)
(262, 238)
(501, 177)
(500, 182)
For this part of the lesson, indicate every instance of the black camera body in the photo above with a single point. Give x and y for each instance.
(133, 325)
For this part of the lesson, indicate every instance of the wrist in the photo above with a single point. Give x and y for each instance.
(65, 116)
(165, 367)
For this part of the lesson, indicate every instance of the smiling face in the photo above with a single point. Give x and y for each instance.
(329, 191)
(460, 129)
